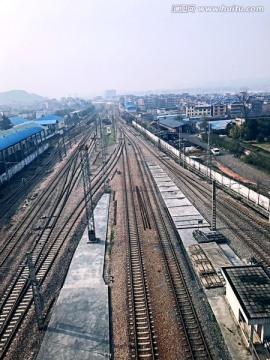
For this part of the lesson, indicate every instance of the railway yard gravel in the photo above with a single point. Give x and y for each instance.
(166, 325)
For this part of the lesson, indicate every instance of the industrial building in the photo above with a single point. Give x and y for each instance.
(19, 146)
(53, 124)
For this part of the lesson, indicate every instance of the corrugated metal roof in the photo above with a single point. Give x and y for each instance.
(17, 120)
(130, 105)
(21, 132)
(172, 123)
(50, 117)
(167, 116)
(219, 124)
(45, 122)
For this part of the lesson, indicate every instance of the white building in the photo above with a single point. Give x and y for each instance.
(198, 110)
(248, 294)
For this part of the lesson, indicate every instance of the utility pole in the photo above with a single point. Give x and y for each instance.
(114, 128)
(58, 142)
(269, 206)
(159, 134)
(184, 154)
(64, 145)
(24, 188)
(179, 144)
(36, 294)
(209, 157)
(103, 141)
(89, 208)
(214, 207)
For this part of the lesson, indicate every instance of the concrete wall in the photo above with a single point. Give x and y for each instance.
(232, 300)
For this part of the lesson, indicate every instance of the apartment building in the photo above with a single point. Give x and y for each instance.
(219, 110)
(198, 110)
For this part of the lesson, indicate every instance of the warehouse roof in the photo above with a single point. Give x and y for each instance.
(50, 117)
(219, 124)
(17, 120)
(172, 123)
(18, 133)
(251, 286)
(46, 122)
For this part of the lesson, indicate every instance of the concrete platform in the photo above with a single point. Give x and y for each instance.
(79, 326)
(183, 213)
(187, 218)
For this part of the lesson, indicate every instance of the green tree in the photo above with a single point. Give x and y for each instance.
(5, 123)
(260, 138)
(235, 132)
(203, 123)
(75, 118)
(251, 129)
(68, 120)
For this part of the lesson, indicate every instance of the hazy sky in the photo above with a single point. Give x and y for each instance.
(64, 47)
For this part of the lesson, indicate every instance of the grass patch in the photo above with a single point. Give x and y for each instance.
(111, 140)
(260, 162)
(112, 237)
(264, 146)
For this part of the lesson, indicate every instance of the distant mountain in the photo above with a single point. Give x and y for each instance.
(19, 97)
(210, 87)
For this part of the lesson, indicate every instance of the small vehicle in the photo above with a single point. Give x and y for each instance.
(215, 151)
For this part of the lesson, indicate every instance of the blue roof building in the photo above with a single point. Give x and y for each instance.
(219, 124)
(19, 146)
(172, 123)
(51, 121)
(17, 120)
(18, 133)
(130, 106)
(45, 122)
(50, 117)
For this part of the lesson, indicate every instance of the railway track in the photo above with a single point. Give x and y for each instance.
(248, 227)
(252, 232)
(39, 210)
(18, 298)
(192, 334)
(141, 320)
(24, 189)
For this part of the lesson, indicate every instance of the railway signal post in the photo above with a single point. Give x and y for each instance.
(214, 207)
(89, 208)
(209, 157)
